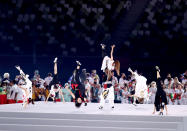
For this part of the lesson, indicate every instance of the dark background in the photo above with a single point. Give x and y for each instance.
(146, 33)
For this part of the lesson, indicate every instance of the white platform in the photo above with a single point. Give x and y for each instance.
(64, 116)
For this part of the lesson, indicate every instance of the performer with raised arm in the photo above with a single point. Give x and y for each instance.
(108, 65)
(160, 98)
(141, 89)
(55, 85)
(27, 87)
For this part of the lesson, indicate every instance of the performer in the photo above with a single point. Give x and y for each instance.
(108, 63)
(107, 92)
(160, 98)
(55, 85)
(78, 88)
(27, 87)
(141, 89)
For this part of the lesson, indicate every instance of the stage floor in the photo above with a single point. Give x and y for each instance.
(92, 108)
(64, 116)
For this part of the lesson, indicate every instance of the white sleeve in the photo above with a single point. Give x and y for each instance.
(16, 88)
(136, 75)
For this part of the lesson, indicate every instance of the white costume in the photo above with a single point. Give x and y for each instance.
(107, 63)
(109, 97)
(15, 90)
(27, 85)
(141, 89)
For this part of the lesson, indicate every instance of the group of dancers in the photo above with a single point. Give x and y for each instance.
(78, 92)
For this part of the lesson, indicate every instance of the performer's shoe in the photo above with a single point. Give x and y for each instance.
(55, 61)
(85, 104)
(32, 101)
(112, 107)
(157, 68)
(78, 63)
(134, 104)
(161, 113)
(17, 67)
(101, 107)
(103, 46)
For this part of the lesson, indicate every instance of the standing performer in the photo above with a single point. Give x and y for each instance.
(108, 65)
(55, 85)
(141, 89)
(78, 88)
(27, 87)
(160, 98)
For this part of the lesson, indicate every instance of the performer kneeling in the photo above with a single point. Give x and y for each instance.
(55, 85)
(160, 98)
(27, 87)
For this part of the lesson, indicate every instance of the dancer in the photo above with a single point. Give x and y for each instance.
(78, 88)
(27, 87)
(160, 98)
(108, 63)
(141, 89)
(55, 85)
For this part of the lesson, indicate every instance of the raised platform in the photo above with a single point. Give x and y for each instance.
(60, 116)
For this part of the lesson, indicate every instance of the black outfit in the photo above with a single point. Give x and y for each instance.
(54, 81)
(77, 86)
(83, 77)
(160, 98)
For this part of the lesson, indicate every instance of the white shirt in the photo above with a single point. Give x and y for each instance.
(87, 86)
(107, 63)
(15, 90)
(48, 79)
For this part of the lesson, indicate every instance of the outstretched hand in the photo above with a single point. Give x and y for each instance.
(129, 69)
(113, 46)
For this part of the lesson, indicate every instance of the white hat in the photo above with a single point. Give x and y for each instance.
(6, 75)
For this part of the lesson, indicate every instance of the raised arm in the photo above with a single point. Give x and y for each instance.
(20, 71)
(157, 72)
(55, 66)
(111, 53)
(130, 70)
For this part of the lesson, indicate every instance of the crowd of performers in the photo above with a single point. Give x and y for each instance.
(80, 91)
